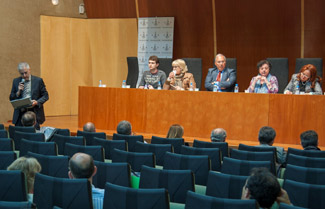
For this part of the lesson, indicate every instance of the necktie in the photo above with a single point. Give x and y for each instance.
(219, 76)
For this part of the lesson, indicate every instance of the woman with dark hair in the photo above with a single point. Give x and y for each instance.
(264, 82)
(307, 80)
(175, 131)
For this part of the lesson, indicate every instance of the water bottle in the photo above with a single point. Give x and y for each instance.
(146, 86)
(124, 84)
(215, 87)
(297, 89)
(191, 87)
(100, 83)
(236, 88)
(159, 86)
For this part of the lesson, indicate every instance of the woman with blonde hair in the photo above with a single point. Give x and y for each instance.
(29, 166)
(175, 131)
(179, 78)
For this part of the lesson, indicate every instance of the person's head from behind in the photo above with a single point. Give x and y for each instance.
(82, 165)
(309, 139)
(28, 119)
(180, 66)
(266, 135)
(218, 135)
(89, 127)
(29, 166)
(262, 186)
(175, 131)
(153, 62)
(124, 127)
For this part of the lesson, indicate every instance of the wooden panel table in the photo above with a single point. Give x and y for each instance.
(241, 115)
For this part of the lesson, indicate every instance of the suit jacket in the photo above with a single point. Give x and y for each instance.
(228, 79)
(38, 93)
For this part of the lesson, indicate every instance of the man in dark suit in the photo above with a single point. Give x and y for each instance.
(29, 86)
(225, 76)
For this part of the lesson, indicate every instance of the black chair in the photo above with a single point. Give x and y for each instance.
(19, 135)
(65, 193)
(89, 136)
(56, 166)
(254, 156)
(61, 140)
(305, 175)
(6, 144)
(198, 164)
(306, 153)
(118, 197)
(2, 126)
(115, 173)
(280, 69)
(305, 195)
(133, 71)
(16, 205)
(44, 148)
(13, 129)
(176, 142)
(310, 162)
(63, 132)
(225, 185)
(110, 145)
(258, 149)
(195, 201)
(135, 159)
(318, 62)
(213, 153)
(286, 206)
(165, 64)
(194, 66)
(177, 182)
(223, 146)
(6, 158)
(131, 140)
(97, 152)
(241, 167)
(13, 186)
(3, 134)
(158, 149)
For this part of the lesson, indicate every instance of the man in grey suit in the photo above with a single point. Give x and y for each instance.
(225, 76)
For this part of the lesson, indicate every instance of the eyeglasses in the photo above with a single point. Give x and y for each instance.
(303, 74)
(221, 62)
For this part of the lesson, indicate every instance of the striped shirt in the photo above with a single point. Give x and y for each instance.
(98, 197)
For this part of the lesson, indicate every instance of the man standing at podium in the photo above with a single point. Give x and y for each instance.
(31, 86)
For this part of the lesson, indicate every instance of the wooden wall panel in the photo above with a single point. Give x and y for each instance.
(255, 30)
(110, 8)
(315, 29)
(193, 33)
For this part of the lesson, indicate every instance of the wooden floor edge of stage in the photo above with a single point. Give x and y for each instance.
(71, 122)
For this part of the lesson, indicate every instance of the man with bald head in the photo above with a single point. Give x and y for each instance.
(89, 127)
(225, 76)
(81, 166)
(218, 135)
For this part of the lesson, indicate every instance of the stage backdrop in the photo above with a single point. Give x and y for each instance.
(155, 37)
(80, 52)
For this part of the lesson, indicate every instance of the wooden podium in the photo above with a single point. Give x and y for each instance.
(240, 114)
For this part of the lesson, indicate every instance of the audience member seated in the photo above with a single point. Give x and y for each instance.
(306, 80)
(82, 165)
(266, 137)
(175, 131)
(28, 119)
(218, 135)
(179, 78)
(225, 76)
(264, 187)
(89, 127)
(309, 140)
(264, 82)
(29, 166)
(150, 79)
(124, 127)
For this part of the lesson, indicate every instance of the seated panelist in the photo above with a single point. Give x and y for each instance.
(264, 82)
(225, 76)
(179, 78)
(307, 80)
